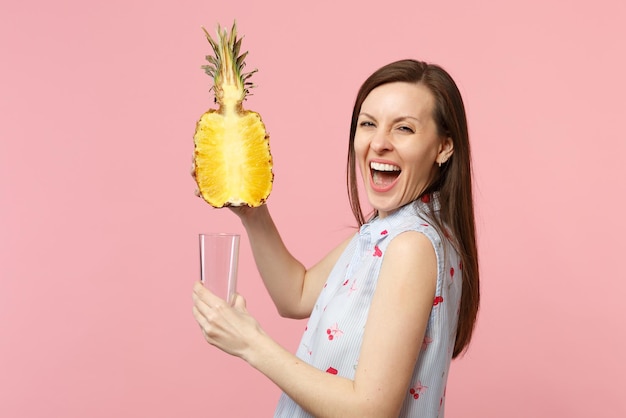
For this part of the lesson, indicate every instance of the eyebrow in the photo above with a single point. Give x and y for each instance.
(398, 119)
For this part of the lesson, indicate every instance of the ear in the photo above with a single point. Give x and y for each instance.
(446, 149)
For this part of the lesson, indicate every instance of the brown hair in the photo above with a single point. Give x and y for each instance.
(453, 182)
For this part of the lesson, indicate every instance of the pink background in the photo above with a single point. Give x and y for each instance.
(99, 224)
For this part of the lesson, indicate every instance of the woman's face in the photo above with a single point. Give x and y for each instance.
(396, 144)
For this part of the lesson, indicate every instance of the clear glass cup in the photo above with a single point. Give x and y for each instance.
(219, 256)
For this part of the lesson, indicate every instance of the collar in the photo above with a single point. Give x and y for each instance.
(378, 228)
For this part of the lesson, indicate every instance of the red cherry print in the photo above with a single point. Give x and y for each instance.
(438, 300)
(352, 288)
(417, 389)
(427, 340)
(333, 332)
(424, 224)
(331, 370)
(426, 198)
(452, 272)
(377, 252)
(345, 283)
(384, 232)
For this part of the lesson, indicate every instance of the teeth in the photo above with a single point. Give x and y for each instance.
(384, 167)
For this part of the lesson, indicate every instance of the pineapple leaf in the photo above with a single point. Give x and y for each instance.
(210, 39)
(248, 75)
(209, 70)
(226, 64)
(237, 47)
(241, 60)
(233, 36)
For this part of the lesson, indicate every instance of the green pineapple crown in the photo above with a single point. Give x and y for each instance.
(230, 83)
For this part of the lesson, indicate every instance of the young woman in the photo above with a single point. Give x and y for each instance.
(392, 305)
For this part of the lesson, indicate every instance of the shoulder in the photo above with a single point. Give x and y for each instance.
(413, 218)
(414, 250)
(410, 242)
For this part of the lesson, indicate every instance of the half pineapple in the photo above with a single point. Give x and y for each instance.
(232, 159)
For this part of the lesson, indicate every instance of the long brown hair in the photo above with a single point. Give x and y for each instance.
(453, 182)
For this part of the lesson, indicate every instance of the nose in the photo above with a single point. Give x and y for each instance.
(381, 142)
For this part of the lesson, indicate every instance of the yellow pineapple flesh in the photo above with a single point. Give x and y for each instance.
(232, 159)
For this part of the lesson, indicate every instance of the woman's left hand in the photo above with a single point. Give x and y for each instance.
(230, 328)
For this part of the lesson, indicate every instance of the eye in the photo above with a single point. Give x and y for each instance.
(366, 124)
(406, 129)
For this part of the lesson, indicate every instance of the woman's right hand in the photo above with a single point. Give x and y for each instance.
(242, 212)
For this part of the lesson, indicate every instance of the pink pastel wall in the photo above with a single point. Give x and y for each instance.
(99, 224)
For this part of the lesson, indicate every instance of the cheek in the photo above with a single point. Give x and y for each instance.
(422, 167)
(360, 149)
(360, 153)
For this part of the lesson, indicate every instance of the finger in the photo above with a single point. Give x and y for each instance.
(197, 301)
(199, 298)
(196, 192)
(201, 309)
(202, 303)
(199, 289)
(240, 303)
(200, 318)
(209, 298)
(206, 319)
(205, 326)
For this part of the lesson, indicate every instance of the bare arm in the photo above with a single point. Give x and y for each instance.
(292, 287)
(399, 311)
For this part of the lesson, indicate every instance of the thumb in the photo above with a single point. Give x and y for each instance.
(240, 303)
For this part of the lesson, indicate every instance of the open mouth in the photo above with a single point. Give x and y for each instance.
(384, 175)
